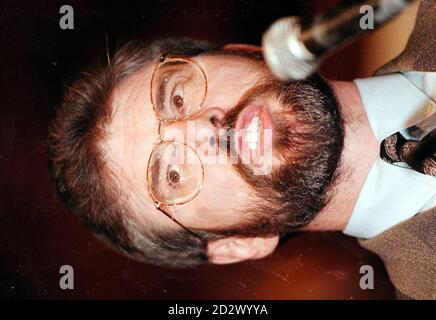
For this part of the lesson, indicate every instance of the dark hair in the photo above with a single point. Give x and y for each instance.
(79, 172)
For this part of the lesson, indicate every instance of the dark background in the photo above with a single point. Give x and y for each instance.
(38, 236)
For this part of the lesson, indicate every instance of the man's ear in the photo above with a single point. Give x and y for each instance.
(242, 47)
(236, 249)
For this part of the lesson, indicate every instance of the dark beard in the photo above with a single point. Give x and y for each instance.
(309, 138)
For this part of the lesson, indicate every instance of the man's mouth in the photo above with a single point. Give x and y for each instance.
(253, 134)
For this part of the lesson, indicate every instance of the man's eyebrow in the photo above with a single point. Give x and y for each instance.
(161, 95)
(155, 168)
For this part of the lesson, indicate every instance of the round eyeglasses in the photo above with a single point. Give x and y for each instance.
(175, 173)
(178, 88)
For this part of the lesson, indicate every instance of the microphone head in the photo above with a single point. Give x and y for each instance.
(284, 52)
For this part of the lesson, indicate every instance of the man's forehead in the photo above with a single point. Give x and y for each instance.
(131, 130)
(131, 113)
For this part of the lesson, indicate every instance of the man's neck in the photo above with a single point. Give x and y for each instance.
(360, 150)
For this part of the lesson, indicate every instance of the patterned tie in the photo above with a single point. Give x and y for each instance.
(420, 155)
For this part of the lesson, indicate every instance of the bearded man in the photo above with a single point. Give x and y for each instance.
(179, 153)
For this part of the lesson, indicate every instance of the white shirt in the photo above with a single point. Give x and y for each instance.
(393, 193)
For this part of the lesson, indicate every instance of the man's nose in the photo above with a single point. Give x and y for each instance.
(208, 123)
(196, 130)
(211, 118)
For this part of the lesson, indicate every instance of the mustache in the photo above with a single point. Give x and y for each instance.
(267, 85)
(227, 133)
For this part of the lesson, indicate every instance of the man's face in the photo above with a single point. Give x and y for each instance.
(237, 186)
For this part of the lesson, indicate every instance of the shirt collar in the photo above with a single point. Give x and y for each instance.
(392, 103)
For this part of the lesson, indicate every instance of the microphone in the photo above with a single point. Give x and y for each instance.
(294, 49)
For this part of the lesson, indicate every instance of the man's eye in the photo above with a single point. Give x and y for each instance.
(177, 97)
(173, 176)
(178, 101)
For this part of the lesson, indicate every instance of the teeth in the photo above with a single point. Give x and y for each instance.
(252, 135)
(252, 145)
